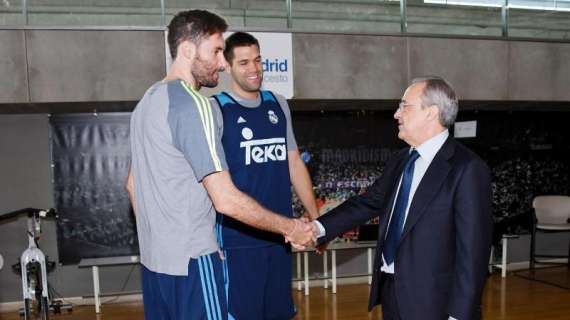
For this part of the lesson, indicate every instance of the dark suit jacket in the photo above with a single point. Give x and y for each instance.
(441, 259)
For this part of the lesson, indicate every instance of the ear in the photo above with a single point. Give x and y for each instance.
(227, 66)
(187, 49)
(433, 112)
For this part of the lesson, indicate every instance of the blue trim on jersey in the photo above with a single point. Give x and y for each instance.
(268, 96)
(223, 98)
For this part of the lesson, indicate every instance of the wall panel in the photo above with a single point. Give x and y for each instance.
(476, 68)
(349, 66)
(13, 82)
(539, 71)
(93, 65)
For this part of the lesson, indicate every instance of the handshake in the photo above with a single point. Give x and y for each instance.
(304, 234)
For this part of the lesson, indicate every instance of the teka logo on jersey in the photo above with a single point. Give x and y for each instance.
(263, 150)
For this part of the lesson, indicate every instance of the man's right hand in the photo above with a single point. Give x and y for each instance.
(302, 235)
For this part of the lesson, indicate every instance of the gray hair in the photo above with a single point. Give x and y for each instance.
(438, 91)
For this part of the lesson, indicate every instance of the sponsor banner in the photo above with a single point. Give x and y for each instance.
(277, 57)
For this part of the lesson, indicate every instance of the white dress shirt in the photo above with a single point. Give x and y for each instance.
(427, 152)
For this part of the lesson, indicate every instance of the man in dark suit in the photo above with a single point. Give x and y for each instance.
(434, 203)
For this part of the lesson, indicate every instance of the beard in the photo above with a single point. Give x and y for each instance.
(205, 72)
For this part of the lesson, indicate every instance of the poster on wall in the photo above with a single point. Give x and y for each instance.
(90, 160)
(277, 61)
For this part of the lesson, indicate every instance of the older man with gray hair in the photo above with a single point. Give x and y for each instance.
(434, 204)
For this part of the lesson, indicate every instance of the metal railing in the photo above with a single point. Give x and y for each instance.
(545, 19)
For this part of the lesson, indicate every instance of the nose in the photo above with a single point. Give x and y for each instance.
(221, 63)
(397, 114)
(252, 68)
(257, 66)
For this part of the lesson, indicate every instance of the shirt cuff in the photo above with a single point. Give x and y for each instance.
(322, 231)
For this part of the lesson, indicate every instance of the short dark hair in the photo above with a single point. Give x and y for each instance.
(193, 25)
(238, 39)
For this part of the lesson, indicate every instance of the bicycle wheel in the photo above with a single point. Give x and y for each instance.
(44, 306)
(42, 302)
(27, 309)
(29, 305)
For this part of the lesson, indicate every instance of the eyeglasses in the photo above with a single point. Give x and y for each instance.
(402, 105)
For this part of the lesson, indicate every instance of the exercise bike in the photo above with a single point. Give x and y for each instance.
(33, 266)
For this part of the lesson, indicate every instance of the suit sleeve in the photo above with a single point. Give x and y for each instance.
(473, 224)
(359, 209)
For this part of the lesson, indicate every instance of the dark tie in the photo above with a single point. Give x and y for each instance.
(397, 222)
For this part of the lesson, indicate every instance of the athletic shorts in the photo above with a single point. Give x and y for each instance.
(199, 296)
(259, 283)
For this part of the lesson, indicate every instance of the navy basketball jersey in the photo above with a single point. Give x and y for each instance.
(255, 144)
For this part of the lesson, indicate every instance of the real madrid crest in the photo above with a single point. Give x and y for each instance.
(272, 117)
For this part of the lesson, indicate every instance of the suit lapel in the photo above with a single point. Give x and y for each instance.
(430, 185)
